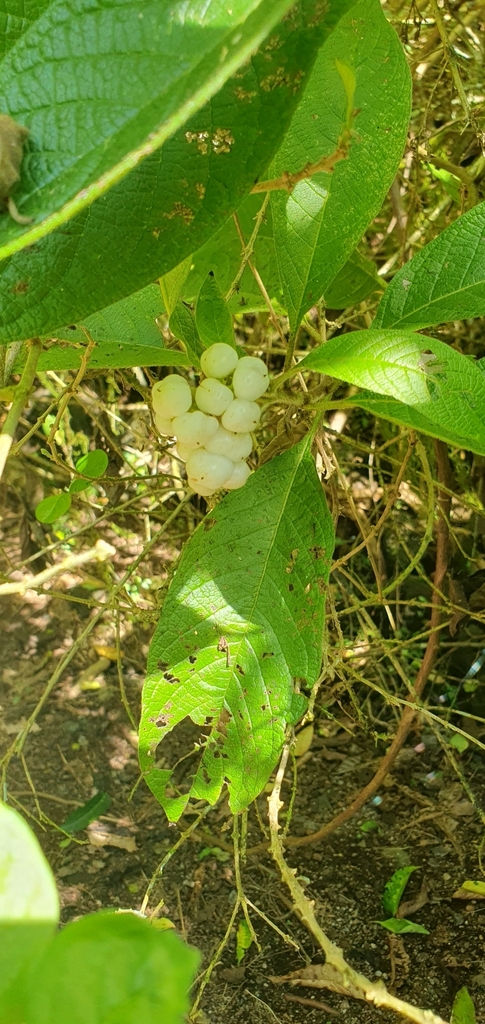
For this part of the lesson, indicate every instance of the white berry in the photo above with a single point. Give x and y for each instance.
(239, 476)
(241, 416)
(184, 451)
(218, 360)
(164, 426)
(207, 470)
(213, 397)
(250, 379)
(233, 446)
(194, 428)
(171, 396)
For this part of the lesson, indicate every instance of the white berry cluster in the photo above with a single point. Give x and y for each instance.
(215, 439)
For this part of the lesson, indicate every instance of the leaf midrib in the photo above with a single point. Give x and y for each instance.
(177, 119)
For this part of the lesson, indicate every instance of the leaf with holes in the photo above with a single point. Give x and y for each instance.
(102, 86)
(176, 198)
(241, 626)
(431, 379)
(443, 282)
(320, 223)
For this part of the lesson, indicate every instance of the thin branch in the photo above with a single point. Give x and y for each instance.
(336, 974)
(99, 553)
(287, 181)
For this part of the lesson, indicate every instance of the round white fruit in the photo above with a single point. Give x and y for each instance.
(218, 360)
(208, 471)
(184, 451)
(171, 397)
(213, 397)
(194, 428)
(242, 416)
(250, 379)
(164, 426)
(233, 446)
(239, 476)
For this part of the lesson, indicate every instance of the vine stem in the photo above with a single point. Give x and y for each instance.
(336, 974)
(22, 392)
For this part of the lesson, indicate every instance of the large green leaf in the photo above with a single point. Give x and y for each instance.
(102, 85)
(175, 199)
(242, 624)
(443, 282)
(408, 416)
(126, 334)
(439, 384)
(112, 968)
(319, 224)
(29, 906)
(354, 282)
(223, 254)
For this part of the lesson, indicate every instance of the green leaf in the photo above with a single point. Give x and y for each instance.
(477, 887)
(463, 1011)
(172, 283)
(451, 183)
(443, 282)
(94, 464)
(446, 388)
(406, 415)
(77, 486)
(130, 75)
(222, 254)
(182, 325)
(459, 742)
(132, 321)
(212, 317)
(83, 816)
(112, 967)
(53, 507)
(242, 620)
(395, 887)
(244, 940)
(356, 280)
(110, 356)
(29, 906)
(175, 199)
(400, 926)
(319, 224)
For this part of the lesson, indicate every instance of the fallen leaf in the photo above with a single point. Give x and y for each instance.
(107, 652)
(100, 834)
(233, 975)
(303, 740)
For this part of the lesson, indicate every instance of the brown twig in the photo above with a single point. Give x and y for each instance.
(286, 181)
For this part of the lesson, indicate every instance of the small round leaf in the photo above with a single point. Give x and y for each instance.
(93, 464)
(51, 508)
(78, 485)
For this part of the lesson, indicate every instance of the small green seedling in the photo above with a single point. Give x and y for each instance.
(463, 1011)
(244, 940)
(92, 465)
(391, 898)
